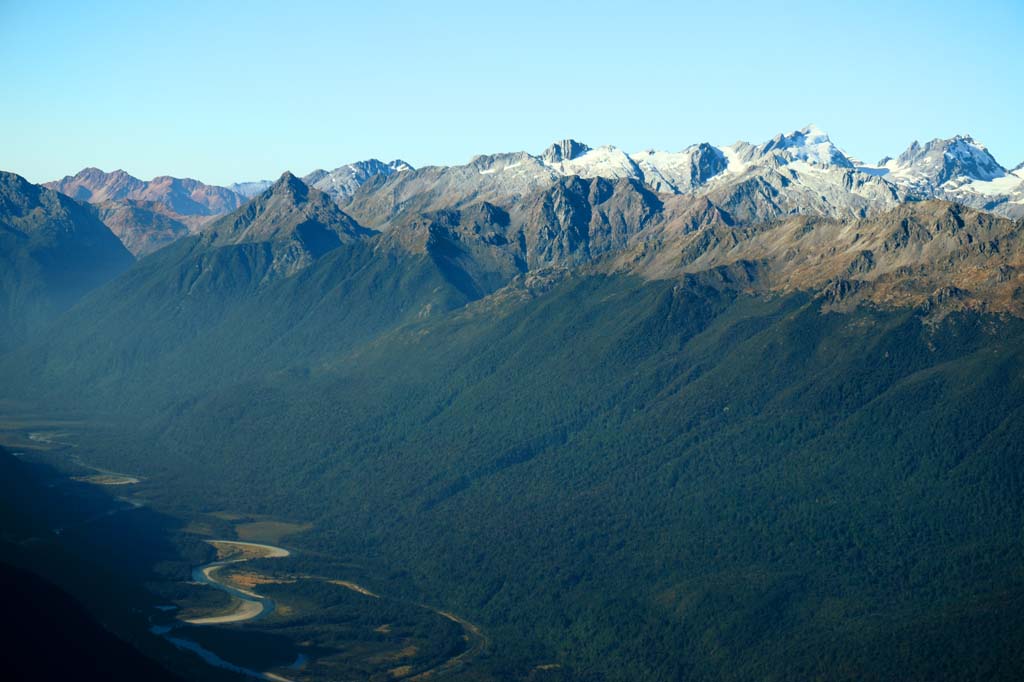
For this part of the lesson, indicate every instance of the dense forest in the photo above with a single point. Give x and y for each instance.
(636, 480)
(456, 342)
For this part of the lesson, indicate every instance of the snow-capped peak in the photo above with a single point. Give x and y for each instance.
(958, 168)
(573, 158)
(814, 134)
(345, 180)
(809, 144)
(677, 172)
(960, 158)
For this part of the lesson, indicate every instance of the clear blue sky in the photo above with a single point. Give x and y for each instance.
(238, 91)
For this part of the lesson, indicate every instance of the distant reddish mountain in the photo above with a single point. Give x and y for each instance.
(147, 215)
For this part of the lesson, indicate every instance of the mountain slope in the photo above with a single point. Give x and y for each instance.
(926, 167)
(801, 172)
(142, 226)
(906, 257)
(300, 223)
(648, 480)
(147, 215)
(287, 276)
(53, 251)
(184, 196)
(633, 475)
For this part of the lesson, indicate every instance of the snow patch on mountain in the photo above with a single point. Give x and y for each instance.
(345, 180)
(1006, 184)
(810, 144)
(679, 172)
(251, 188)
(958, 160)
(602, 162)
(736, 164)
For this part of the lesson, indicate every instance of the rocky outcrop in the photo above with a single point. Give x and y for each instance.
(564, 150)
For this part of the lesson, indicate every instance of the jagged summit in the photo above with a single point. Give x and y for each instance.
(184, 196)
(809, 144)
(299, 223)
(942, 160)
(148, 214)
(681, 172)
(399, 166)
(290, 185)
(344, 180)
(798, 172)
(564, 150)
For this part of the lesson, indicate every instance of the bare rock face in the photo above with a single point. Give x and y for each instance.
(183, 196)
(572, 222)
(903, 257)
(796, 206)
(808, 144)
(862, 264)
(148, 215)
(564, 150)
(501, 179)
(839, 290)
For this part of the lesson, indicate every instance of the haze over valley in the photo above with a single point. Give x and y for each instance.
(747, 411)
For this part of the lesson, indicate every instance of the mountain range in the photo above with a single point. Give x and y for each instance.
(800, 172)
(147, 215)
(639, 416)
(792, 214)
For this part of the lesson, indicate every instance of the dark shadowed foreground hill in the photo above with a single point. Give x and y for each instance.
(57, 640)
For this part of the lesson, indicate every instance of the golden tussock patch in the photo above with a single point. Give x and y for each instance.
(354, 587)
(249, 580)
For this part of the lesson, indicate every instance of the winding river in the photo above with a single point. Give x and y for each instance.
(252, 606)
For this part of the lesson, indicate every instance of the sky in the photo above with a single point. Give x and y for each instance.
(227, 92)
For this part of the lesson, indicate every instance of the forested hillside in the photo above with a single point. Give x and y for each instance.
(640, 480)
